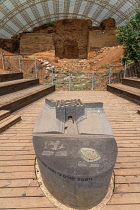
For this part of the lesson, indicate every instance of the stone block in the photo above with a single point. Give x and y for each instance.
(76, 151)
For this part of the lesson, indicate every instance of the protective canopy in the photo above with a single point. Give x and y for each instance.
(17, 16)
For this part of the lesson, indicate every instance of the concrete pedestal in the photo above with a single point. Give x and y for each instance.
(76, 168)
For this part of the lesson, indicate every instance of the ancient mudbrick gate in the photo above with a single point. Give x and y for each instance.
(71, 38)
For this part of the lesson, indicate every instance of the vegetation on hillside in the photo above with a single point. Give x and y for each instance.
(129, 36)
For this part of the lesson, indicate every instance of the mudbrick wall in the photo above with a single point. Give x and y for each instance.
(71, 38)
(102, 38)
(10, 45)
(36, 42)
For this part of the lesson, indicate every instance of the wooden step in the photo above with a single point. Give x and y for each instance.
(4, 114)
(8, 122)
(11, 76)
(133, 82)
(19, 99)
(16, 85)
(130, 93)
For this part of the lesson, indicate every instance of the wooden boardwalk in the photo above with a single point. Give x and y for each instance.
(19, 188)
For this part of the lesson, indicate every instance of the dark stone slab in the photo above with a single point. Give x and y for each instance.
(75, 168)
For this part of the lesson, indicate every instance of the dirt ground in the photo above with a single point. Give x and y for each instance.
(97, 63)
(107, 56)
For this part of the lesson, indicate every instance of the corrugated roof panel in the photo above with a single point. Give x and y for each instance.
(31, 13)
(40, 10)
(21, 19)
(8, 4)
(5, 33)
(102, 14)
(1, 15)
(93, 9)
(113, 2)
(72, 5)
(82, 8)
(125, 7)
(12, 25)
(61, 6)
(50, 5)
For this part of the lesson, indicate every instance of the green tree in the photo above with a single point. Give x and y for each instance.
(129, 36)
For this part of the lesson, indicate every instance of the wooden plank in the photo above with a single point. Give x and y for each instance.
(25, 202)
(49, 208)
(128, 141)
(21, 192)
(18, 152)
(18, 183)
(9, 168)
(128, 145)
(17, 175)
(127, 159)
(129, 154)
(17, 157)
(129, 149)
(5, 124)
(14, 144)
(18, 148)
(127, 179)
(133, 171)
(125, 198)
(127, 165)
(4, 114)
(122, 207)
(127, 188)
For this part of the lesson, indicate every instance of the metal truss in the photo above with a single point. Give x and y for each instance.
(24, 15)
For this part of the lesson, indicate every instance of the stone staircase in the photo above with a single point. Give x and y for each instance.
(129, 89)
(17, 93)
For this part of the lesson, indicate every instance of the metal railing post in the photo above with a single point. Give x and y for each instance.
(124, 75)
(19, 64)
(69, 81)
(92, 81)
(109, 78)
(36, 69)
(52, 75)
(3, 60)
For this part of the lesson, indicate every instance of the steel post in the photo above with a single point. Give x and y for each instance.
(124, 75)
(92, 81)
(19, 64)
(3, 60)
(109, 77)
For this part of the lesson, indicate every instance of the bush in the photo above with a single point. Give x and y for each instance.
(129, 36)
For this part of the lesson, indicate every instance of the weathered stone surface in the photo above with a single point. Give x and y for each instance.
(36, 42)
(11, 45)
(102, 38)
(76, 168)
(71, 38)
(108, 23)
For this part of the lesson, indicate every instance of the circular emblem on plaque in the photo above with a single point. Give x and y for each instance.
(89, 155)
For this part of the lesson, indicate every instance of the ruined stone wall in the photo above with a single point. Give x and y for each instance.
(10, 45)
(102, 38)
(71, 38)
(36, 42)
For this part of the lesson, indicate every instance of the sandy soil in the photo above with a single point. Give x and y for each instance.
(96, 60)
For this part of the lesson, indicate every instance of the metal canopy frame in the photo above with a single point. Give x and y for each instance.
(17, 16)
